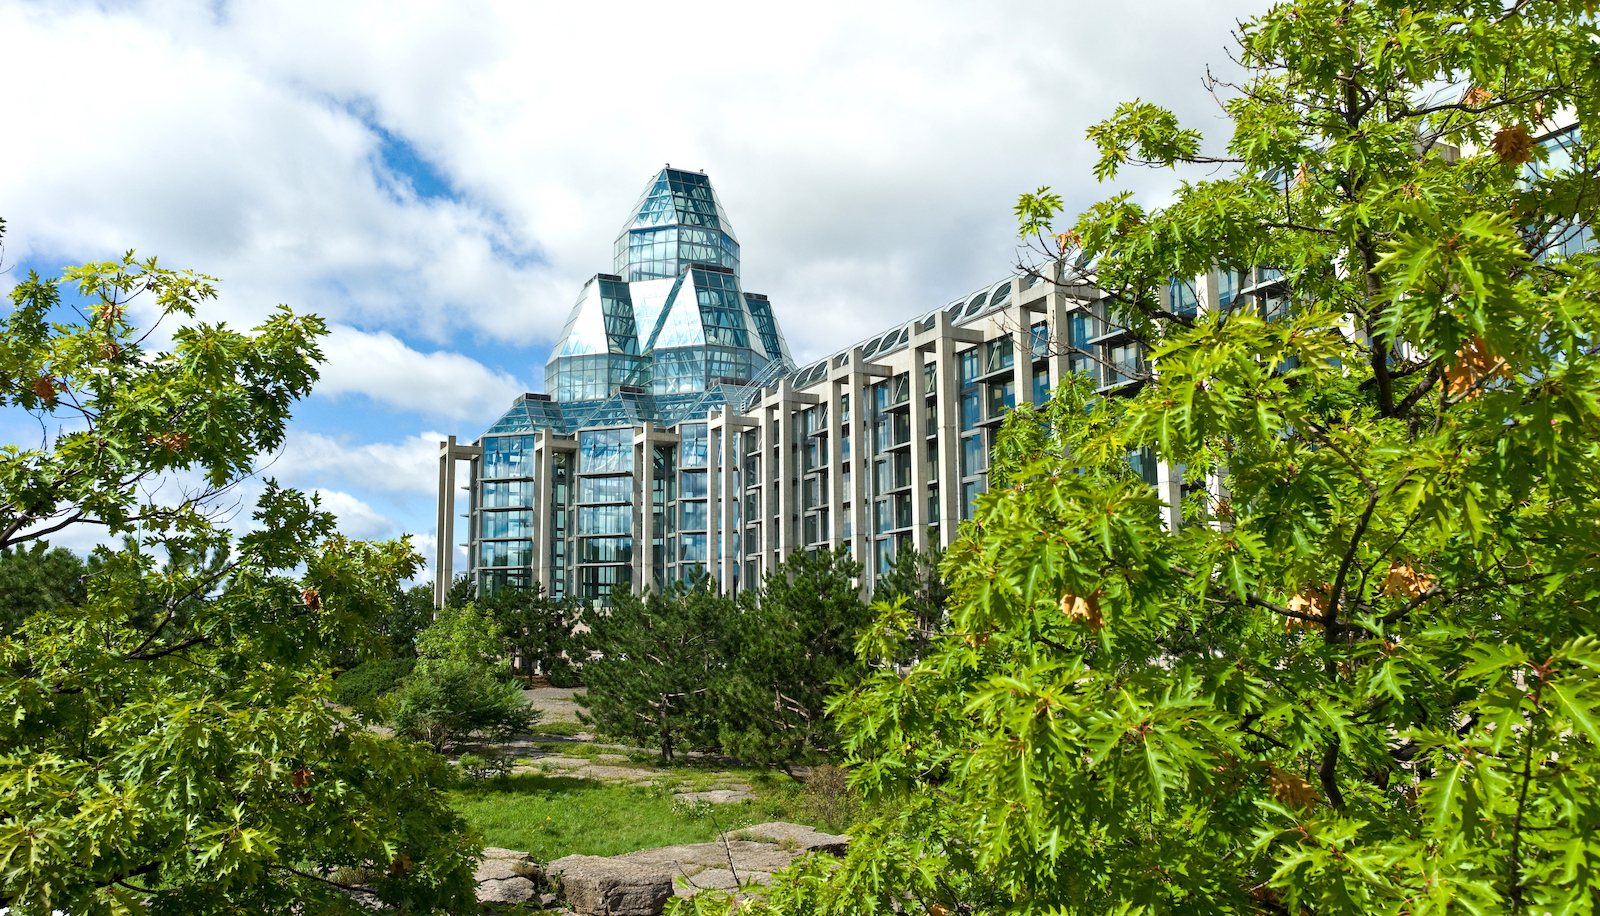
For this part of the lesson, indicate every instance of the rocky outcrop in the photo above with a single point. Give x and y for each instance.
(796, 838)
(640, 883)
(508, 876)
(596, 886)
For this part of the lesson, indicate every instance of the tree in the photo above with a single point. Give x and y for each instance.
(168, 745)
(538, 630)
(37, 578)
(656, 659)
(792, 641)
(915, 581)
(457, 689)
(1366, 680)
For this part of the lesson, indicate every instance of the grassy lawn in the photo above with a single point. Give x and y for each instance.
(553, 816)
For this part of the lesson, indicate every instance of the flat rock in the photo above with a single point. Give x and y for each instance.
(746, 856)
(715, 796)
(596, 886)
(797, 837)
(508, 890)
(503, 864)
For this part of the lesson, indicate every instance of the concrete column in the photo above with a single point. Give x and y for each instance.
(542, 459)
(643, 491)
(727, 490)
(1021, 347)
(836, 496)
(947, 381)
(919, 452)
(445, 530)
(444, 524)
(1057, 313)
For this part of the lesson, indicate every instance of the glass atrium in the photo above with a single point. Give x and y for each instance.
(667, 337)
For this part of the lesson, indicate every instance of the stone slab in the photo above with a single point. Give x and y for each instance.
(596, 886)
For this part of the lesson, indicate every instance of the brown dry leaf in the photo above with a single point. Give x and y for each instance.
(938, 909)
(1513, 145)
(1473, 362)
(1085, 609)
(300, 778)
(1405, 582)
(312, 598)
(1291, 789)
(1301, 178)
(1476, 96)
(1310, 600)
(45, 387)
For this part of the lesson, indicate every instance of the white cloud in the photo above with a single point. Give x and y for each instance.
(356, 518)
(381, 367)
(850, 142)
(868, 155)
(407, 467)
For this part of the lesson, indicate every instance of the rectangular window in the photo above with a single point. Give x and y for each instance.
(605, 520)
(885, 552)
(1039, 340)
(969, 498)
(692, 485)
(902, 510)
(998, 354)
(810, 529)
(1041, 384)
(930, 378)
(883, 476)
(901, 462)
(693, 516)
(507, 456)
(505, 553)
(882, 516)
(517, 523)
(902, 427)
(692, 548)
(1002, 397)
(605, 489)
(933, 505)
(605, 550)
(971, 367)
(692, 449)
(971, 408)
(501, 495)
(972, 455)
(605, 451)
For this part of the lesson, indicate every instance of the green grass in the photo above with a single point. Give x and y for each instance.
(553, 816)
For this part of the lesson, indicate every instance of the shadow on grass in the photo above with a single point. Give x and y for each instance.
(531, 784)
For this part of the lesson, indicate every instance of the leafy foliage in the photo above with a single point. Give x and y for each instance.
(457, 689)
(1362, 678)
(656, 658)
(537, 630)
(791, 642)
(37, 578)
(168, 745)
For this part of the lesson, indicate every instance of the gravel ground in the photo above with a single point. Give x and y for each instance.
(555, 702)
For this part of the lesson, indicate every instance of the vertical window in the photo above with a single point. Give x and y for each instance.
(605, 451)
(692, 452)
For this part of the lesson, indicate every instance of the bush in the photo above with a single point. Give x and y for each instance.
(444, 704)
(456, 689)
(362, 687)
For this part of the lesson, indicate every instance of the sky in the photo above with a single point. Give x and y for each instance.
(438, 180)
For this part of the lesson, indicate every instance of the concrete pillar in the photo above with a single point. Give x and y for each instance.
(919, 452)
(445, 520)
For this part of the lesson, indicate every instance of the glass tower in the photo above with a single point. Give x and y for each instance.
(666, 339)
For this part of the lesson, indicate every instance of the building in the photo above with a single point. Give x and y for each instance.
(676, 433)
